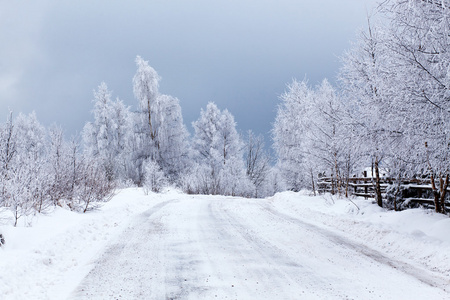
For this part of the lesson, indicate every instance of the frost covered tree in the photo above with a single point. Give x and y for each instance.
(58, 163)
(7, 153)
(145, 88)
(368, 87)
(30, 163)
(63, 167)
(257, 162)
(159, 131)
(329, 145)
(218, 151)
(144, 138)
(172, 137)
(122, 124)
(311, 137)
(288, 134)
(105, 139)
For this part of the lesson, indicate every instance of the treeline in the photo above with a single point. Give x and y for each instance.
(151, 146)
(392, 109)
(148, 147)
(38, 169)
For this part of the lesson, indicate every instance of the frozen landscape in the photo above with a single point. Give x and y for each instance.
(177, 246)
(346, 196)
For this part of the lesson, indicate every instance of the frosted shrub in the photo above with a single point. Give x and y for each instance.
(154, 179)
(92, 188)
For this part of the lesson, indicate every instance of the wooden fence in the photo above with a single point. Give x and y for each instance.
(414, 192)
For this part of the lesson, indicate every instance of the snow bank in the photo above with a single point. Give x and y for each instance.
(48, 260)
(417, 235)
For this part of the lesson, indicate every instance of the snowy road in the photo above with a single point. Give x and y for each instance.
(199, 247)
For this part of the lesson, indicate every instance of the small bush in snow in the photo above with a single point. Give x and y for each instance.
(92, 187)
(154, 179)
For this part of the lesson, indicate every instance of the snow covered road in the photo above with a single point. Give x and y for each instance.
(203, 247)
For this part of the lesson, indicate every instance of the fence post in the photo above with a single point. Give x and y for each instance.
(365, 186)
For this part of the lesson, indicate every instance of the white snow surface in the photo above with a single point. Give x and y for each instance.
(177, 246)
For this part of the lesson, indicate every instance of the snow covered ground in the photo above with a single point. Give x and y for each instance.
(175, 246)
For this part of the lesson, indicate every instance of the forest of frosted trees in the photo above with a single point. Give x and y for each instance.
(392, 108)
(389, 110)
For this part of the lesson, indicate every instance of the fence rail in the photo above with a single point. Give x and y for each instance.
(418, 190)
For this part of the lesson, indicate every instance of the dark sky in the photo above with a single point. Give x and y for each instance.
(239, 54)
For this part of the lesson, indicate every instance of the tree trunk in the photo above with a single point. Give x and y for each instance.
(16, 214)
(88, 201)
(333, 183)
(312, 181)
(443, 187)
(346, 188)
(377, 184)
(347, 176)
(397, 192)
(150, 120)
(336, 171)
(437, 204)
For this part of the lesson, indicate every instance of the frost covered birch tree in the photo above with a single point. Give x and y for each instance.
(329, 145)
(288, 134)
(218, 151)
(365, 83)
(7, 152)
(105, 139)
(159, 134)
(172, 137)
(145, 88)
(257, 162)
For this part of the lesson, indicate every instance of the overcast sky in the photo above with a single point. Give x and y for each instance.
(238, 53)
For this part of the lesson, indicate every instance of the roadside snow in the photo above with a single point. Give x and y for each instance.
(49, 259)
(418, 235)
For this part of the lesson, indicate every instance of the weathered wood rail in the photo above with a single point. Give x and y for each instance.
(418, 191)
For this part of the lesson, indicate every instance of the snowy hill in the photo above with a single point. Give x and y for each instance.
(176, 246)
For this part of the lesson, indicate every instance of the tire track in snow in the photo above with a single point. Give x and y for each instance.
(113, 275)
(420, 274)
(183, 255)
(277, 274)
(336, 262)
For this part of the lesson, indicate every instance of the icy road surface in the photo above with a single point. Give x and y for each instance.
(199, 247)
